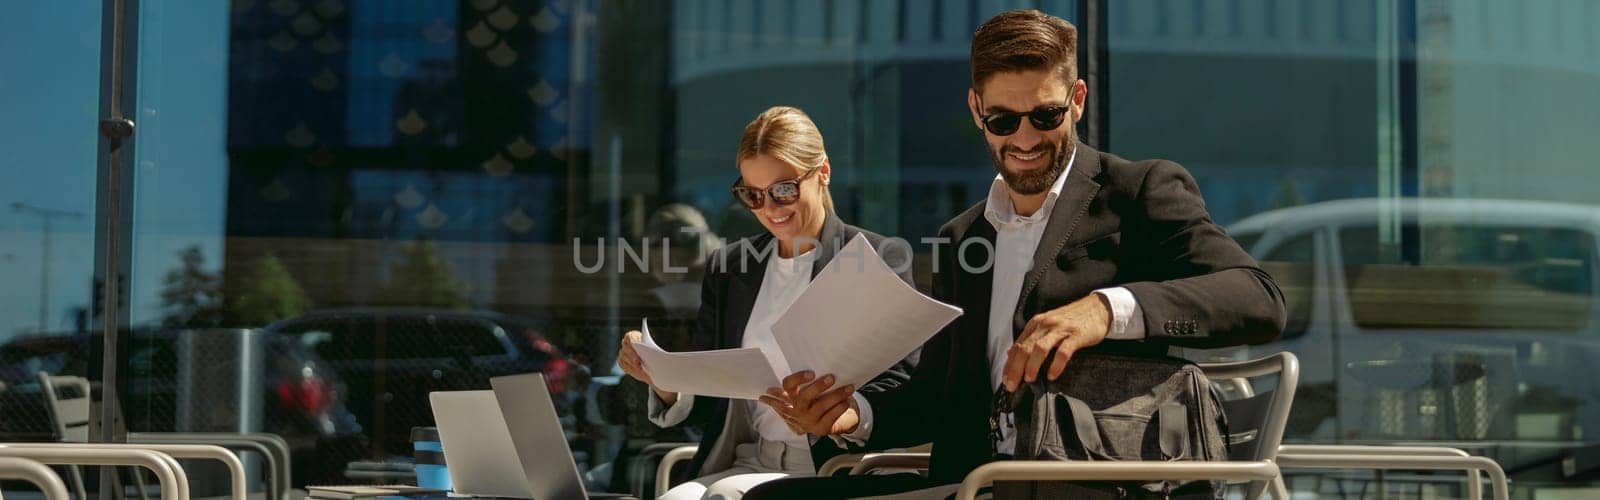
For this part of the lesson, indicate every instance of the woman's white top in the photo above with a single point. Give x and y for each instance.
(782, 283)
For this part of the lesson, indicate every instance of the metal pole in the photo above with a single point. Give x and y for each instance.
(1095, 62)
(116, 128)
(106, 219)
(118, 29)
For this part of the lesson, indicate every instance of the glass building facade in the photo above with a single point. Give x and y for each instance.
(367, 200)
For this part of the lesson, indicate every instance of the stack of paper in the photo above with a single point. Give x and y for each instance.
(728, 373)
(855, 320)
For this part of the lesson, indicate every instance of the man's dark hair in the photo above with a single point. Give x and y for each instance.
(1024, 40)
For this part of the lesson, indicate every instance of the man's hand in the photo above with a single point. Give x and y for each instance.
(628, 358)
(1054, 336)
(811, 408)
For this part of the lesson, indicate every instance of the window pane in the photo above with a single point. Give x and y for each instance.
(1440, 141)
(1485, 278)
(50, 93)
(356, 202)
(388, 199)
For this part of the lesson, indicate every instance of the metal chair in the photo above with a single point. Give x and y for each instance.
(71, 416)
(873, 461)
(643, 466)
(907, 458)
(170, 451)
(272, 448)
(682, 453)
(1233, 376)
(1320, 456)
(33, 471)
(840, 462)
(664, 471)
(1291, 456)
(171, 479)
(1256, 421)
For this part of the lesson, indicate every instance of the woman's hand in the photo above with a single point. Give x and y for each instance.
(634, 367)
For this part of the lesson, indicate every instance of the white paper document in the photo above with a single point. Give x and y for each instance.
(726, 373)
(855, 320)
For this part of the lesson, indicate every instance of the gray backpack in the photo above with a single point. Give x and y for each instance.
(1115, 408)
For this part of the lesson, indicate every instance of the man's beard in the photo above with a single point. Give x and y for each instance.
(1038, 181)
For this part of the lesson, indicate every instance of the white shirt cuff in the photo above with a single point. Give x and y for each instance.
(863, 426)
(1127, 320)
(664, 416)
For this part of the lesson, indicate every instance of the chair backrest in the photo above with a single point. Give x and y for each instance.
(1256, 420)
(69, 414)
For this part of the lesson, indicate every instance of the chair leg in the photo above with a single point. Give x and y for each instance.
(138, 482)
(1280, 490)
(77, 482)
(118, 490)
(1256, 490)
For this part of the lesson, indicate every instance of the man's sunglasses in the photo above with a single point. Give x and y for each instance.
(783, 193)
(1043, 119)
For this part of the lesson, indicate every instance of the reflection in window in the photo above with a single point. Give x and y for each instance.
(1290, 264)
(424, 338)
(1471, 277)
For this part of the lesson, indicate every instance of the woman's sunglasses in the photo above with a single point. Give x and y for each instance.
(1043, 119)
(783, 193)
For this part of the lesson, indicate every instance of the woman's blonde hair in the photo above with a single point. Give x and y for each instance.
(788, 134)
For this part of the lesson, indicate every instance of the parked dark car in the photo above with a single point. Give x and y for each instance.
(391, 359)
(303, 399)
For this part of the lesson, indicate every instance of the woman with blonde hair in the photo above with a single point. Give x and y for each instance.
(783, 176)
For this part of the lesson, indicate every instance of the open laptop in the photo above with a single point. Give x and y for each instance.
(489, 458)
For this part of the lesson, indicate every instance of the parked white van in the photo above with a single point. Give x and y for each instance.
(1468, 322)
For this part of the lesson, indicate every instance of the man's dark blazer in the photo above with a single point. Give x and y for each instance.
(732, 282)
(1140, 225)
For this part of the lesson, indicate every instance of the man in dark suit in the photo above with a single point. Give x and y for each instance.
(1074, 250)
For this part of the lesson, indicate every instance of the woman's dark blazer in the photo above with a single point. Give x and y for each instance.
(732, 282)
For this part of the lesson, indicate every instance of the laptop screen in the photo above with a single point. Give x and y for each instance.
(536, 432)
(506, 442)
